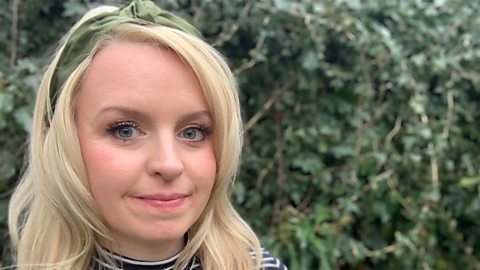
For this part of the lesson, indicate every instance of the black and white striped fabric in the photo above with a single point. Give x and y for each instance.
(269, 262)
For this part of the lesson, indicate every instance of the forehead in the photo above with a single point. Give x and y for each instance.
(139, 75)
(129, 58)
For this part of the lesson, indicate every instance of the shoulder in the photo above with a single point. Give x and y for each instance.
(270, 262)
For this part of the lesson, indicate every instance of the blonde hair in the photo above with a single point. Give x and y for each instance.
(53, 221)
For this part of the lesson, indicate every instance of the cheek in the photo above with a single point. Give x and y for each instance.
(105, 167)
(206, 167)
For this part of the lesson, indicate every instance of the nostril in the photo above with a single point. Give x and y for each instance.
(167, 168)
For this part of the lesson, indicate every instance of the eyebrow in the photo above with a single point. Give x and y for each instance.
(195, 115)
(121, 109)
(139, 114)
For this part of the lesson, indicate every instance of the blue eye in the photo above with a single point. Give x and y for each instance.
(192, 134)
(196, 133)
(124, 130)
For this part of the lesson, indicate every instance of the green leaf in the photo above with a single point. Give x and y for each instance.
(23, 116)
(469, 182)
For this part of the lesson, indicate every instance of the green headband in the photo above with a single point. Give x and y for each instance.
(81, 42)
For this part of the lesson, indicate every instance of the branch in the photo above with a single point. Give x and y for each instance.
(14, 32)
(282, 177)
(395, 130)
(226, 36)
(434, 167)
(450, 103)
(307, 200)
(266, 106)
(252, 62)
(385, 175)
(263, 173)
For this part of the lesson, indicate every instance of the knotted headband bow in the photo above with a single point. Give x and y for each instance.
(81, 42)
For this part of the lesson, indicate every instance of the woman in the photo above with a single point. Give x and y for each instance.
(135, 143)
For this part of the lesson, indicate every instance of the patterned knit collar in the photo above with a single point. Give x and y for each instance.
(127, 263)
(126, 260)
(133, 264)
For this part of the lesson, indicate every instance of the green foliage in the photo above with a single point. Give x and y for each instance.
(361, 146)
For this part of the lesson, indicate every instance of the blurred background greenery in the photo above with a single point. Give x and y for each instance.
(362, 139)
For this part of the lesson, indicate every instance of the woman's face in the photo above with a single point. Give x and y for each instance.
(146, 136)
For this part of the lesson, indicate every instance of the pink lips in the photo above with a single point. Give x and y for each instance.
(163, 201)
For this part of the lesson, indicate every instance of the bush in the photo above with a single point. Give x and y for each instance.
(361, 144)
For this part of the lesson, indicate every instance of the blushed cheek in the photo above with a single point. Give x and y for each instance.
(208, 167)
(108, 176)
(104, 167)
(95, 156)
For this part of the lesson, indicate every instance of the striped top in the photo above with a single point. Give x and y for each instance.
(269, 262)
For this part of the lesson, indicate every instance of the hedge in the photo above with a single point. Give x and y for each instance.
(362, 147)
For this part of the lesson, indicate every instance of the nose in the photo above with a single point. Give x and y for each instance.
(165, 160)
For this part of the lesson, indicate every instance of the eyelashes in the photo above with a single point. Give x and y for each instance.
(127, 130)
(196, 132)
(124, 130)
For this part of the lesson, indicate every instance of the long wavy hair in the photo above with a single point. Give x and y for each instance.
(53, 220)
